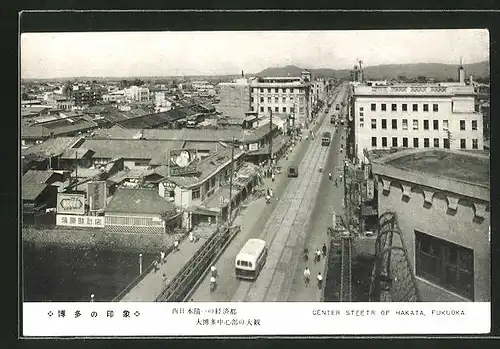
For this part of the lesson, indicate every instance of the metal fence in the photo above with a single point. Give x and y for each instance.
(392, 278)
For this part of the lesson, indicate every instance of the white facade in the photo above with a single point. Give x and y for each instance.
(285, 95)
(137, 94)
(416, 116)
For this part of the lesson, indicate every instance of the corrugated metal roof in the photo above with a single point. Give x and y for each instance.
(146, 201)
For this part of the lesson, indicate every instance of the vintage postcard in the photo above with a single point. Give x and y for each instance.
(236, 181)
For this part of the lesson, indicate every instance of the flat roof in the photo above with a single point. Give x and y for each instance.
(473, 168)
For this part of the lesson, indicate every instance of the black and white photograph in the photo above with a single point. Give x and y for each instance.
(255, 166)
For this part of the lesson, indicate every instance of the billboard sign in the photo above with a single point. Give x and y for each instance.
(80, 221)
(370, 189)
(253, 146)
(182, 162)
(96, 195)
(70, 203)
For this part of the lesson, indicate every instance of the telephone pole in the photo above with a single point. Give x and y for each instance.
(346, 205)
(271, 139)
(230, 207)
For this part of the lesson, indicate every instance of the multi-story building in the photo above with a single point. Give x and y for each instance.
(85, 95)
(234, 98)
(441, 201)
(416, 116)
(137, 94)
(286, 95)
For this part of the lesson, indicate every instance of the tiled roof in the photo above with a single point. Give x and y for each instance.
(34, 183)
(145, 201)
(51, 147)
(57, 127)
(129, 148)
(31, 191)
(36, 176)
(156, 119)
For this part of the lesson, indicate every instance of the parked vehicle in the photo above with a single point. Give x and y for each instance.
(293, 171)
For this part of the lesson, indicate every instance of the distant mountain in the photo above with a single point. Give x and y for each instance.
(389, 71)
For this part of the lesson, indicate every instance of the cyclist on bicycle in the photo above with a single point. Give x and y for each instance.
(307, 275)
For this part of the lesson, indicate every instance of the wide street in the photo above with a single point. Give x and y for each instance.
(298, 217)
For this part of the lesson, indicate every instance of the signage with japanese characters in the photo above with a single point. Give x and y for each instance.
(70, 203)
(182, 162)
(370, 189)
(96, 194)
(80, 221)
(253, 146)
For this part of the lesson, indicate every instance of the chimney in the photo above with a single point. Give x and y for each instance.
(242, 75)
(461, 73)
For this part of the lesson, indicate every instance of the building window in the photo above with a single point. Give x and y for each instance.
(301, 110)
(268, 99)
(252, 108)
(269, 90)
(261, 99)
(284, 109)
(361, 124)
(435, 124)
(384, 142)
(446, 143)
(445, 125)
(374, 124)
(384, 124)
(374, 141)
(276, 99)
(269, 109)
(383, 107)
(462, 143)
(444, 263)
(361, 114)
(276, 109)
(261, 90)
(415, 107)
(394, 124)
(435, 107)
(405, 107)
(195, 193)
(373, 107)
(361, 108)
(405, 124)
(426, 124)
(474, 143)
(436, 142)
(395, 142)
(415, 124)
(276, 90)
(262, 109)
(394, 107)
(252, 99)
(426, 142)
(283, 99)
(462, 125)
(415, 142)
(474, 125)
(426, 107)
(405, 142)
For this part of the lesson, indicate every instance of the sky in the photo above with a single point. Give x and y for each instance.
(127, 54)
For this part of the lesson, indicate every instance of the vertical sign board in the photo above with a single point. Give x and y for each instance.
(70, 203)
(96, 195)
(370, 189)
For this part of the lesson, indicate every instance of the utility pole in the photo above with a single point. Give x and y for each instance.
(271, 139)
(230, 207)
(345, 190)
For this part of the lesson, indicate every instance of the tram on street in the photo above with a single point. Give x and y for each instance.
(326, 139)
(251, 259)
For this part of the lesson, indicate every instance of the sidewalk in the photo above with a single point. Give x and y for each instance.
(153, 284)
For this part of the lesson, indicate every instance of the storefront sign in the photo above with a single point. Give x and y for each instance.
(80, 221)
(253, 147)
(370, 189)
(182, 162)
(70, 203)
(96, 194)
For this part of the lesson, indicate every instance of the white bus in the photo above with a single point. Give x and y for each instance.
(251, 259)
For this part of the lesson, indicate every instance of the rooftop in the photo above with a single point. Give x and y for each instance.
(130, 148)
(51, 147)
(472, 168)
(413, 90)
(145, 201)
(156, 119)
(34, 183)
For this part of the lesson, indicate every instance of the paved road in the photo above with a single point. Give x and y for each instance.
(283, 224)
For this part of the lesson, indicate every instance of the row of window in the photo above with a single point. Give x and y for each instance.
(404, 107)
(136, 221)
(277, 109)
(404, 126)
(416, 144)
(279, 90)
(277, 100)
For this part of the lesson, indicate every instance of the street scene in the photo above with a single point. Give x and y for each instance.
(294, 177)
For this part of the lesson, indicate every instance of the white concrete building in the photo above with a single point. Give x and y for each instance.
(137, 94)
(286, 95)
(416, 116)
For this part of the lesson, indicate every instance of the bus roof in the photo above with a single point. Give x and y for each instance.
(253, 247)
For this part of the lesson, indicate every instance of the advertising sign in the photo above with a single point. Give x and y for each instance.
(182, 162)
(96, 195)
(70, 203)
(370, 189)
(253, 147)
(80, 221)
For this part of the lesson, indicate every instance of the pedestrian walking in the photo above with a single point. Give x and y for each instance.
(176, 245)
(162, 256)
(272, 177)
(324, 249)
(191, 236)
(270, 192)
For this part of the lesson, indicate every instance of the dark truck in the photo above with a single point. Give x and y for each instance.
(326, 139)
